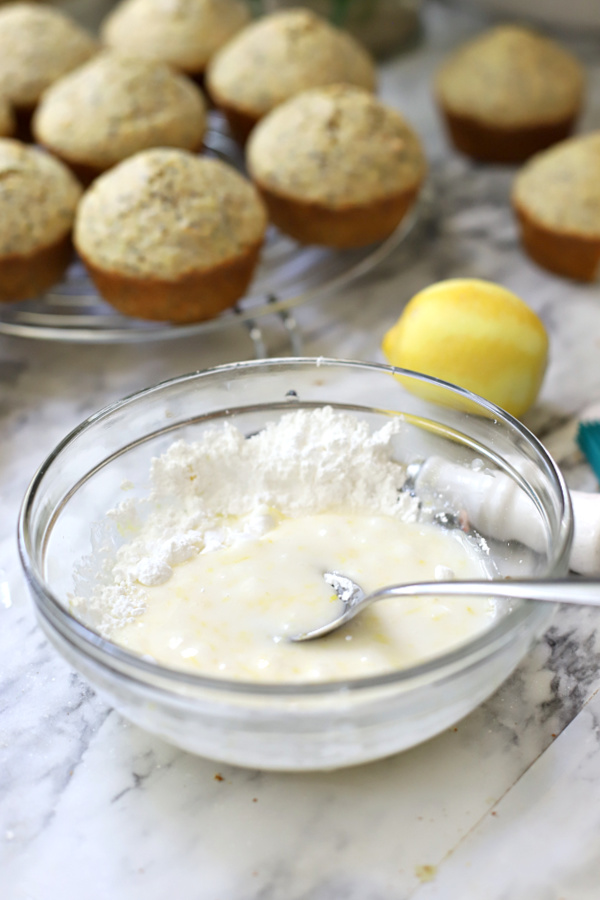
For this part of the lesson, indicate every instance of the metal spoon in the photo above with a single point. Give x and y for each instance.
(579, 591)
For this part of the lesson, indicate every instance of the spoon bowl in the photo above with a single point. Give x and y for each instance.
(577, 591)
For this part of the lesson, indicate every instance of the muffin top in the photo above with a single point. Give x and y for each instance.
(114, 106)
(164, 213)
(511, 76)
(282, 54)
(38, 197)
(183, 33)
(7, 119)
(560, 188)
(38, 44)
(338, 146)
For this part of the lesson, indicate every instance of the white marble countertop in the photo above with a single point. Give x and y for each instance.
(504, 806)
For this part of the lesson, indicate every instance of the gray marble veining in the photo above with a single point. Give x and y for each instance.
(541, 841)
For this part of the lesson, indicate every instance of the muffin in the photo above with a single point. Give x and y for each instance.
(38, 197)
(508, 94)
(277, 57)
(183, 33)
(171, 236)
(115, 106)
(38, 45)
(7, 119)
(336, 167)
(556, 197)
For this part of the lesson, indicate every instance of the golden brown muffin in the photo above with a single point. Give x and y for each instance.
(556, 197)
(7, 119)
(38, 45)
(336, 167)
(172, 236)
(38, 197)
(279, 56)
(115, 106)
(183, 33)
(508, 94)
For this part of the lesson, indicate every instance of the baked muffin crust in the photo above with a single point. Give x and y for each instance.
(509, 93)
(169, 235)
(336, 166)
(560, 188)
(338, 146)
(281, 55)
(38, 45)
(38, 197)
(183, 33)
(556, 196)
(7, 119)
(164, 212)
(115, 106)
(511, 76)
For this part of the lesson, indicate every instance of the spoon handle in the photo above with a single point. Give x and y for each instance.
(579, 591)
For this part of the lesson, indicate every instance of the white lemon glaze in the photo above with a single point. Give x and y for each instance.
(226, 612)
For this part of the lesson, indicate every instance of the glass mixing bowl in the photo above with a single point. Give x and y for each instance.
(295, 726)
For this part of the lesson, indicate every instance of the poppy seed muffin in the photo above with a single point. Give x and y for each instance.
(556, 197)
(115, 106)
(38, 45)
(508, 94)
(336, 167)
(279, 56)
(7, 119)
(38, 197)
(171, 236)
(183, 33)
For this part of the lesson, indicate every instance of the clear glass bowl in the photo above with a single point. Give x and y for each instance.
(285, 726)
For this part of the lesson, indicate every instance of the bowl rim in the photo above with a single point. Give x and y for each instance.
(118, 659)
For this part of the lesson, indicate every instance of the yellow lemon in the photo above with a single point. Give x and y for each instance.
(475, 334)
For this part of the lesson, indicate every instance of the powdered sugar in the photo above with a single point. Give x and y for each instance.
(227, 488)
(306, 462)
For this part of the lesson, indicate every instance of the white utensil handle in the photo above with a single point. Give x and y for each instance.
(585, 552)
(496, 506)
